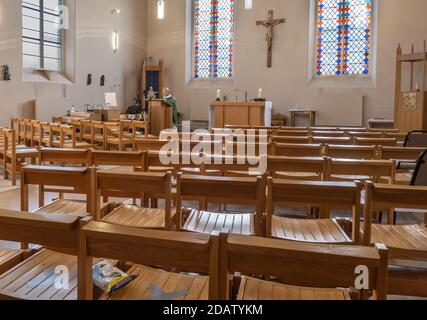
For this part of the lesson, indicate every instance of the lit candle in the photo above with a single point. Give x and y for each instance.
(260, 93)
(218, 94)
(417, 87)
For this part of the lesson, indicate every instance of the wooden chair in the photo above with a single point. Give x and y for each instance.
(117, 136)
(197, 254)
(351, 152)
(132, 185)
(221, 190)
(375, 142)
(57, 138)
(70, 140)
(34, 278)
(139, 127)
(65, 157)
(46, 138)
(297, 168)
(241, 149)
(61, 180)
(330, 134)
(406, 159)
(291, 140)
(297, 150)
(86, 130)
(322, 195)
(14, 157)
(99, 135)
(332, 140)
(406, 243)
(302, 271)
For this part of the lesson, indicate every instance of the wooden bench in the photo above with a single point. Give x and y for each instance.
(322, 195)
(65, 157)
(188, 252)
(351, 152)
(297, 150)
(221, 190)
(375, 142)
(303, 271)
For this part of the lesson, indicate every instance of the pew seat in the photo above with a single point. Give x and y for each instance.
(9, 258)
(132, 216)
(69, 207)
(253, 289)
(208, 222)
(154, 284)
(309, 230)
(403, 241)
(34, 278)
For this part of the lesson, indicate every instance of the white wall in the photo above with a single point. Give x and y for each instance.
(286, 84)
(94, 27)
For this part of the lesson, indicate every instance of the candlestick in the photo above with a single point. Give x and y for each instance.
(218, 94)
(260, 93)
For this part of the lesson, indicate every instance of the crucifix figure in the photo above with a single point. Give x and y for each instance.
(270, 24)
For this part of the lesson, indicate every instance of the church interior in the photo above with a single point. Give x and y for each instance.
(217, 150)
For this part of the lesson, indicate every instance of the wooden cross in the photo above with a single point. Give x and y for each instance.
(270, 24)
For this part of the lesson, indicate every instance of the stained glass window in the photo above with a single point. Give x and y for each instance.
(344, 29)
(213, 38)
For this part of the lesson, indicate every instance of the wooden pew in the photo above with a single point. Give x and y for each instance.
(329, 134)
(33, 279)
(399, 153)
(193, 253)
(322, 195)
(295, 168)
(332, 140)
(351, 152)
(297, 150)
(292, 133)
(305, 271)
(133, 185)
(222, 190)
(375, 142)
(370, 135)
(291, 140)
(150, 144)
(406, 243)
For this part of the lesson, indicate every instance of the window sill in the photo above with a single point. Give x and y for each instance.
(336, 82)
(210, 83)
(44, 76)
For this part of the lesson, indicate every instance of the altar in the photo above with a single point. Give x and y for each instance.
(240, 113)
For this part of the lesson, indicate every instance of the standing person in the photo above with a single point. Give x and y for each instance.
(169, 99)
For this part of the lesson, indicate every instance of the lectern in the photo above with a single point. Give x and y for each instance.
(161, 116)
(411, 104)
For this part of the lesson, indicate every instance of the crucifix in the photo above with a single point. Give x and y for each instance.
(270, 24)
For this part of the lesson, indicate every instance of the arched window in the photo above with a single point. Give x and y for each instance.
(213, 39)
(344, 38)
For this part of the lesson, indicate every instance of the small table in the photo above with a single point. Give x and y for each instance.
(311, 113)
